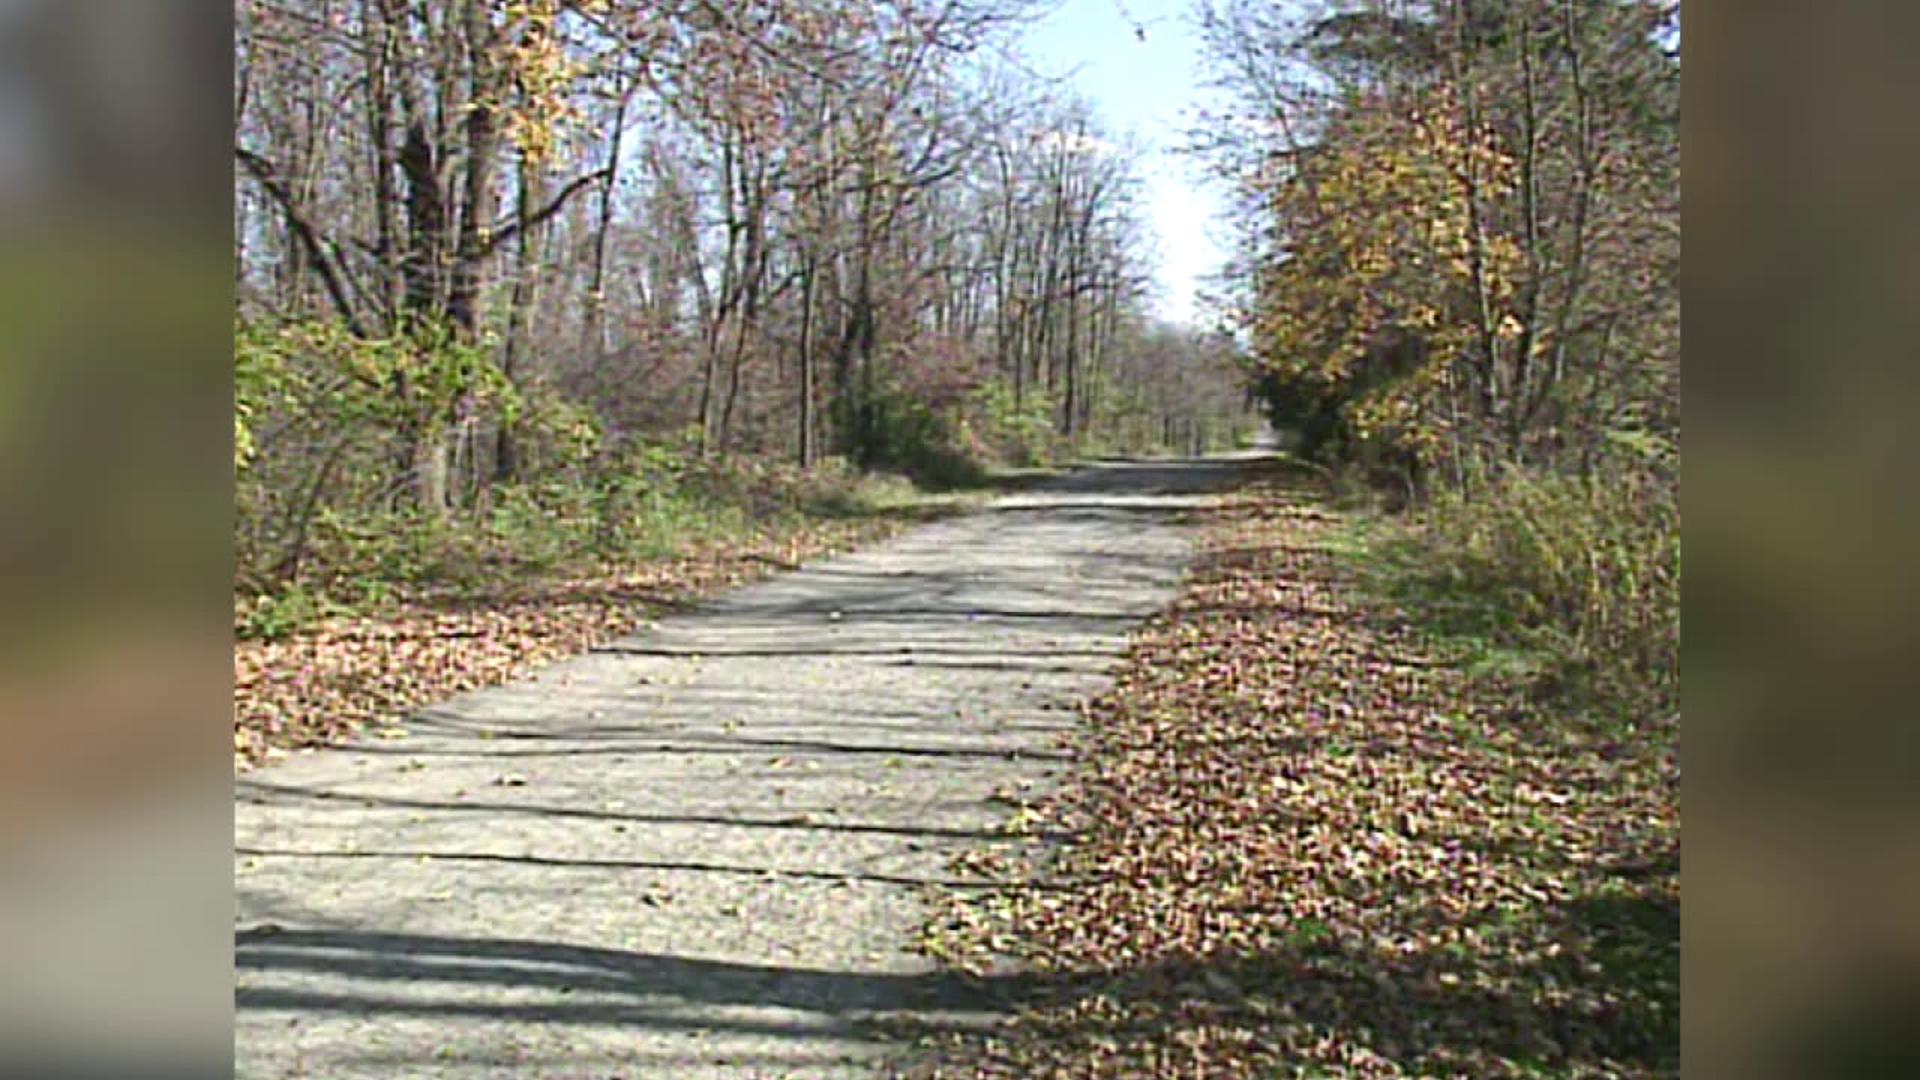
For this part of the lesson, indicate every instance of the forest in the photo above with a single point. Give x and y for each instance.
(551, 260)
(1393, 789)
(555, 317)
(1460, 281)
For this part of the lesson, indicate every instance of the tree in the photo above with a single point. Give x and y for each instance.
(477, 236)
(1468, 228)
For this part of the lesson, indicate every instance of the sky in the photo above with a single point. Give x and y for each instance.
(1149, 88)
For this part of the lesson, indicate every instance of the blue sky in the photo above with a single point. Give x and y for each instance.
(1151, 89)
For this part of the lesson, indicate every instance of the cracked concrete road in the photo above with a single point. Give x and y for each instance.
(699, 852)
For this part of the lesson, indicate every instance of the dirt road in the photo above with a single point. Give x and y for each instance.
(698, 852)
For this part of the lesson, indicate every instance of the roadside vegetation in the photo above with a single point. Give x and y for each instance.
(552, 315)
(375, 574)
(390, 611)
(1342, 817)
(1393, 789)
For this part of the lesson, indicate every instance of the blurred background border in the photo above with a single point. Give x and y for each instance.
(115, 503)
(1802, 943)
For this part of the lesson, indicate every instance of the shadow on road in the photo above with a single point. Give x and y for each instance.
(630, 989)
(838, 732)
(758, 873)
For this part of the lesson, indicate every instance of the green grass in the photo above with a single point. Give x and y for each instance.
(366, 560)
(1542, 579)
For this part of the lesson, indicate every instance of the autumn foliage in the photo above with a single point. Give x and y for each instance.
(1309, 834)
(1467, 237)
(542, 295)
(1399, 797)
(1461, 285)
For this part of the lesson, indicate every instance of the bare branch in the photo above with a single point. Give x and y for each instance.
(318, 247)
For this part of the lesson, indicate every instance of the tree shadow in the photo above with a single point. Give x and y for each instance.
(849, 508)
(720, 650)
(376, 974)
(276, 794)
(754, 872)
(1588, 987)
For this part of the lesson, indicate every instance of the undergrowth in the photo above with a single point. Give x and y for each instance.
(393, 611)
(654, 506)
(1574, 579)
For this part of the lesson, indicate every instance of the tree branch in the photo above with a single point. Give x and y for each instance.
(268, 178)
(508, 231)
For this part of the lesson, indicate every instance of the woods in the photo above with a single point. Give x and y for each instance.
(492, 250)
(1468, 222)
(556, 316)
(1393, 789)
(1459, 279)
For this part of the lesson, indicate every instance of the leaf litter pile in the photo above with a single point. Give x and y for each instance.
(1305, 842)
(348, 674)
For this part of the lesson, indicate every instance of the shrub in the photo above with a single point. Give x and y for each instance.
(905, 434)
(275, 616)
(1019, 433)
(333, 511)
(1588, 565)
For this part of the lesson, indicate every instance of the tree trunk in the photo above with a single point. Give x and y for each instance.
(524, 302)
(483, 148)
(592, 341)
(807, 452)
